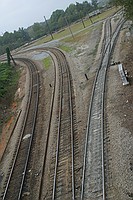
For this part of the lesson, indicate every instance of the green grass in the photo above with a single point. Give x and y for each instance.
(78, 36)
(104, 15)
(9, 77)
(65, 48)
(77, 27)
(47, 62)
(8, 81)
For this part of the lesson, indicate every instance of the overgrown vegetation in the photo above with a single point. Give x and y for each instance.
(8, 83)
(47, 62)
(65, 48)
(13, 40)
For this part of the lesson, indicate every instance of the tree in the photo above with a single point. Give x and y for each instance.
(71, 13)
(25, 36)
(127, 5)
(87, 8)
(38, 30)
(94, 3)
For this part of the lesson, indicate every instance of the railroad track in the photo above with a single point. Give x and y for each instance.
(93, 178)
(63, 177)
(14, 186)
(64, 165)
(62, 173)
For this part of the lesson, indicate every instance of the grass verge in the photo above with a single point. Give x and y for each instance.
(9, 77)
(47, 62)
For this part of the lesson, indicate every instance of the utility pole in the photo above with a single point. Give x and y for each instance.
(48, 28)
(69, 27)
(9, 57)
(12, 59)
(82, 20)
(90, 20)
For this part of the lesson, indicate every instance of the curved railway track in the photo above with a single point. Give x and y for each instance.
(93, 179)
(62, 173)
(65, 138)
(16, 178)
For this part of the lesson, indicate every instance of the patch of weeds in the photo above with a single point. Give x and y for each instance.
(8, 81)
(47, 62)
(65, 48)
(9, 77)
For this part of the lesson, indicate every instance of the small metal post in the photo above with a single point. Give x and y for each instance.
(86, 77)
(69, 27)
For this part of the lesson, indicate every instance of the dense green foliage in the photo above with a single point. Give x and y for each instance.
(13, 40)
(127, 5)
(57, 21)
(8, 82)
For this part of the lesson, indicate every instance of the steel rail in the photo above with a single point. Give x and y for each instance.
(21, 137)
(58, 139)
(72, 130)
(59, 125)
(32, 132)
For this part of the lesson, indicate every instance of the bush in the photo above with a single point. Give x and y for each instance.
(8, 82)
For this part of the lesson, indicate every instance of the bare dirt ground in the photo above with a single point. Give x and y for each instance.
(84, 60)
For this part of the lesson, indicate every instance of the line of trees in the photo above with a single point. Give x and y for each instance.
(13, 40)
(57, 21)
